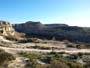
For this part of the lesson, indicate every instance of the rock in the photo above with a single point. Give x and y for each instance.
(58, 31)
(6, 28)
(20, 62)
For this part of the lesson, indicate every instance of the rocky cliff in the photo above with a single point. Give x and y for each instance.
(6, 28)
(58, 31)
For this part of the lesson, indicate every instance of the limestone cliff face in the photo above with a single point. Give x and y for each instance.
(29, 27)
(59, 31)
(6, 28)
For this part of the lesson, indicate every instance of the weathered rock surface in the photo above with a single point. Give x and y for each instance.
(59, 31)
(6, 28)
(20, 62)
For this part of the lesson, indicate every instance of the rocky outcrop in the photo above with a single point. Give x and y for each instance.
(20, 62)
(6, 28)
(29, 26)
(58, 31)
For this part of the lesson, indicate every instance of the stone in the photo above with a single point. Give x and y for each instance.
(6, 28)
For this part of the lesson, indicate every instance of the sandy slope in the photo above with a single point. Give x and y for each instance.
(3, 39)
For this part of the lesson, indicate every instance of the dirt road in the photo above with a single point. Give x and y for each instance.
(15, 50)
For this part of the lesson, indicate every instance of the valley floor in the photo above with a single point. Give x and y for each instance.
(27, 50)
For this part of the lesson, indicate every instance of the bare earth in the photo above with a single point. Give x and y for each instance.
(18, 47)
(15, 50)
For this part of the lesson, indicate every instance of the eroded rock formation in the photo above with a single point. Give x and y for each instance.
(6, 28)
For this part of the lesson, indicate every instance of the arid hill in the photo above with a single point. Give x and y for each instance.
(58, 31)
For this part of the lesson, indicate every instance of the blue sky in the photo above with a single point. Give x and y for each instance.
(72, 12)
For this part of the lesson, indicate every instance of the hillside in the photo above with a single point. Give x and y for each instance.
(58, 31)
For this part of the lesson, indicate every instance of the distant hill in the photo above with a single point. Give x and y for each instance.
(59, 31)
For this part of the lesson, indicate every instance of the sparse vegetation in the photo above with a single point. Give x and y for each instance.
(5, 58)
(40, 47)
(51, 61)
(34, 40)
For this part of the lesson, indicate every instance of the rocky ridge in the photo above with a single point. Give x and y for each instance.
(58, 31)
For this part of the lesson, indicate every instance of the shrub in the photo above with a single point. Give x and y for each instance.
(58, 64)
(5, 57)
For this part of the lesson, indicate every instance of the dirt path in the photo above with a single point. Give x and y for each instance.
(15, 50)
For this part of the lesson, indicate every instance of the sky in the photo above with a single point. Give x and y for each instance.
(71, 12)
